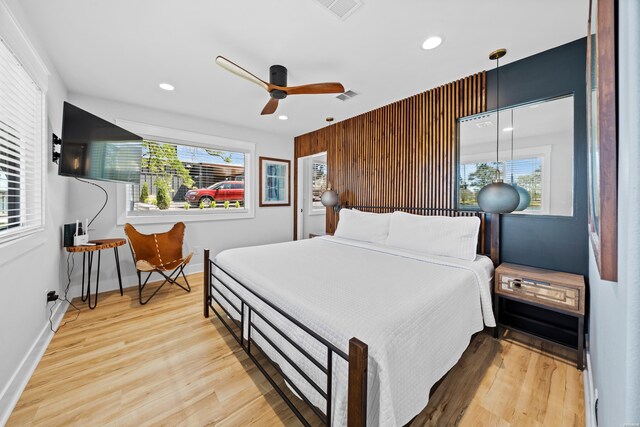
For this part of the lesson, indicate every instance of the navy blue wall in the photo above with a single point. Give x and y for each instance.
(554, 242)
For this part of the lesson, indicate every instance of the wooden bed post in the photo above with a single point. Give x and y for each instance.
(494, 228)
(358, 368)
(207, 282)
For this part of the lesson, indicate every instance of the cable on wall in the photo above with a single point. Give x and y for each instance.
(70, 267)
(106, 198)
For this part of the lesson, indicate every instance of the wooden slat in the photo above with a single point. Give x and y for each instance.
(402, 154)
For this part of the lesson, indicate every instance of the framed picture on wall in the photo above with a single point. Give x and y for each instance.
(602, 136)
(275, 176)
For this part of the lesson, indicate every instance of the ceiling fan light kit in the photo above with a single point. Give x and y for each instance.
(277, 86)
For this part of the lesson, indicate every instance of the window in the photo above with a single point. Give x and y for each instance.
(535, 152)
(187, 176)
(22, 111)
(318, 184)
(526, 172)
(177, 178)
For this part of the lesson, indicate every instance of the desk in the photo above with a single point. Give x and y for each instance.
(87, 261)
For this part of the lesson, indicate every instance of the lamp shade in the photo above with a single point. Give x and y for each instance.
(525, 197)
(329, 198)
(498, 197)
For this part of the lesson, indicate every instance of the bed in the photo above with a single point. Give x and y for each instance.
(311, 305)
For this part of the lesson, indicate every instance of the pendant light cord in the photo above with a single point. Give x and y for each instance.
(498, 119)
(512, 130)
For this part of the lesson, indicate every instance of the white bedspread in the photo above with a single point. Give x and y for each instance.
(416, 313)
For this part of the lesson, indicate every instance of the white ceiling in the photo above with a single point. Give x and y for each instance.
(121, 49)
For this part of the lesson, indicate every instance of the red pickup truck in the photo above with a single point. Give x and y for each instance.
(232, 191)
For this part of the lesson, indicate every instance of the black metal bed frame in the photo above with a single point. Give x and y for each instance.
(247, 312)
(357, 358)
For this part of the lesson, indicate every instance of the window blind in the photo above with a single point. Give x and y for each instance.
(21, 149)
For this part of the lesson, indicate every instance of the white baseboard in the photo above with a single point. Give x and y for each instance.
(11, 393)
(589, 391)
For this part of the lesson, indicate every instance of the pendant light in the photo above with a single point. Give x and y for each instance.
(498, 197)
(525, 197)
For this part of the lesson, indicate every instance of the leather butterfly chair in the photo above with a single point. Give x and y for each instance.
(158, 253)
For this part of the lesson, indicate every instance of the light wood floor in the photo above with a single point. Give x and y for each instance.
(164, 364)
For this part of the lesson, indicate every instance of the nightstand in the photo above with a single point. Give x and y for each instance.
(546, 304)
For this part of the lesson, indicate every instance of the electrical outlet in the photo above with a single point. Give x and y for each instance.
(52, 296)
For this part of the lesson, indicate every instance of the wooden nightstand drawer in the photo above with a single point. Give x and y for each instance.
(549, 288)
(541, 292)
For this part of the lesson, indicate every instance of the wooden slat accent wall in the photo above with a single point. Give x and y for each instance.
(402, 154)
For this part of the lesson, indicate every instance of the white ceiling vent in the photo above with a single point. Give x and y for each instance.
(341, 8)
(346, 96)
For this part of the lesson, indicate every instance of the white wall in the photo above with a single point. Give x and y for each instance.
(32, 265)
(271, 224)
(614, 323)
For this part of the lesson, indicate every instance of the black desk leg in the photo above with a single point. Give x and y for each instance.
(95, 301)
(580, 356)
(115, 251)
(84, 259)
(89, 268)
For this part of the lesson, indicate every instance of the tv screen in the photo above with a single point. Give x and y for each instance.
(94, 148)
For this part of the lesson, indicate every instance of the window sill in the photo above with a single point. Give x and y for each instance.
(192, 216)
(21, 245)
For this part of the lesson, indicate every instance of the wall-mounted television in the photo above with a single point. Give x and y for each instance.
(94, 148)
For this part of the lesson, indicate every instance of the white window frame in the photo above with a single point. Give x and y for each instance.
(543, 152)
(14, 37)
(313, 210)
(183, 137)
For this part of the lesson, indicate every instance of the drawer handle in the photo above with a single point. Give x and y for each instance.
(517, 282)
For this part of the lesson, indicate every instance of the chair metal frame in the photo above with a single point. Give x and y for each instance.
(167, 279)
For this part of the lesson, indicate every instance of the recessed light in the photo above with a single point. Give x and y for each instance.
(509, 129)
(166, 86)
(283, 117)
(432, 43)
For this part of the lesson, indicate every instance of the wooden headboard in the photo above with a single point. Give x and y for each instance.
(492, 249)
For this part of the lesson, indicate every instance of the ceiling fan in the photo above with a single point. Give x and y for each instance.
(277, 85)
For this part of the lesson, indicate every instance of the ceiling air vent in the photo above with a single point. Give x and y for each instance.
(341, 8)
(486, 124)
(346, 96)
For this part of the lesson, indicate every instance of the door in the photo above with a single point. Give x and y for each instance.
(312, 181)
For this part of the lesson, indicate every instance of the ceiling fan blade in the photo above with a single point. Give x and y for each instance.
(239, 71)
(271, 107)
(314, 88)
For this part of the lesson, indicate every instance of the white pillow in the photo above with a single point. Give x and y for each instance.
(365, 226)
(455, 237)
